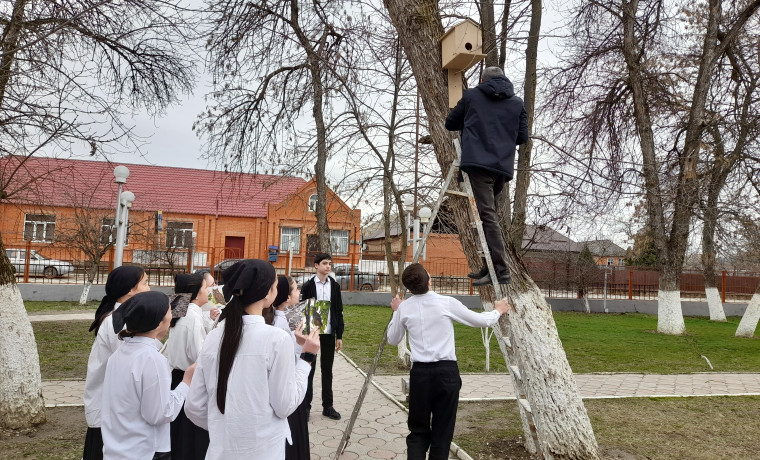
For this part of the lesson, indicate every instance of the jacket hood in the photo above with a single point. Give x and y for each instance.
(497, 88)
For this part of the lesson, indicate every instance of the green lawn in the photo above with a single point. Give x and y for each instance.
(35, 306)
(593, 343)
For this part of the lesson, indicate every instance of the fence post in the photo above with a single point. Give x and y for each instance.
(630, 283)
(27, 258)
(110, 259)
(723, 287)
(351, 284)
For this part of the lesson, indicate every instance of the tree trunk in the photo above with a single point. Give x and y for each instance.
(21, 403)
(669, 313)
(488, 30)
(562, 424)
(748, 324)
(93, 270)
(710, 219)
(586, 306)
(522, 181)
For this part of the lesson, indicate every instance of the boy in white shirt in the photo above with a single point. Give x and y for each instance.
(434, 381)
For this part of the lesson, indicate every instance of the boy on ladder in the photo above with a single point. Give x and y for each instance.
(493, 122)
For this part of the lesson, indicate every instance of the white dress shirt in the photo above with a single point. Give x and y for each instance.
(428, 318)
(324, 292)
(282, 322)
(106, 343)
(265, 386)
(186, 339)
(138, 403)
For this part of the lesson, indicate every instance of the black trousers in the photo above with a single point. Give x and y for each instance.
(299, 433)
(486, 187)
(326, 359)
(188, 441)
(433, 398)
(93, 445)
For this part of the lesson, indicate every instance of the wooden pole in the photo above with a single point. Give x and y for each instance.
(27, 257)
(630, 284)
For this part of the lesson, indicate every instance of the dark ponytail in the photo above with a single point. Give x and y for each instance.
(231, 337)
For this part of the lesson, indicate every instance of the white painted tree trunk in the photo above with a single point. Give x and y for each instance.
(562, 424)
(21, 403)
(669, 313)
(85, 293)
(714, 304)
(585, 303)
(748, 324)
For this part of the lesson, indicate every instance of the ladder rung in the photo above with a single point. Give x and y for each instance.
(457, 192)
(525, 405)
(514, 370)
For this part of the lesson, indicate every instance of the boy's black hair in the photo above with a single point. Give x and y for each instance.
(322, 256)
(416, 279)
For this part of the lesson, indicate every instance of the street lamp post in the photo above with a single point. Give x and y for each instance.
(424, 218)
(122, 221)
(120, 174)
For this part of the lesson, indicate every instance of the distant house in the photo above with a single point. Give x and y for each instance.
(543, 246)
(605, 252)
(221, 215)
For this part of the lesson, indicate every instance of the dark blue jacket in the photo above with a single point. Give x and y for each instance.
(493, 122)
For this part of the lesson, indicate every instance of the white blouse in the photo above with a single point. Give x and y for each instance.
(186, 339)
(282, 322)
(138, 403)
(264, 387)
(106, 343)
(428, 318)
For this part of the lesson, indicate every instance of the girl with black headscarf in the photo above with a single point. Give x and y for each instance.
(186, 337)
(247, 380)
(287, 295)
(122, 283)
(138, 404)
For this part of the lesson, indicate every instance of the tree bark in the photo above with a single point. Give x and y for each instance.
(709, 222)
(748, 324)
(563, 427)
(522, 181)
(488, 30)
(21, 403)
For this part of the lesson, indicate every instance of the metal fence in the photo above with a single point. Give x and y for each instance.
(556, 277)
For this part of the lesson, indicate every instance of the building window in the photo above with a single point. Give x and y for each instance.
(313, 203)
(610, 261)
(39, 228)
(339, 242)
(179, 235)
(108, 232)
(290, 239)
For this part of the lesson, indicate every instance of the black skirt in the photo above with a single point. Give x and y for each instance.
(299, 432)
(93, 444)
(189, 441)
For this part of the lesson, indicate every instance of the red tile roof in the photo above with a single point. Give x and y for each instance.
(156, 188)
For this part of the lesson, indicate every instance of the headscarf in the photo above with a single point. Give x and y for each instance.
(283, 291)
(120, 281)
(188, 284)
(179, 304)
(249, 280)
(143, 312)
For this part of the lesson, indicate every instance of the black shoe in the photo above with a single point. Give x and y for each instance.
(330, 412)
(483, 281)
(486, 280)
(477, 275)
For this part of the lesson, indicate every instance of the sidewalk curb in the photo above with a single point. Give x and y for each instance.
(454, 449)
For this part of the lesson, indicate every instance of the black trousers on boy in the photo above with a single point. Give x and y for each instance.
(326, 360)
(433, 398)
(486, 187)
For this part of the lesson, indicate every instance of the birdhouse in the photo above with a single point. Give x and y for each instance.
(461, 48)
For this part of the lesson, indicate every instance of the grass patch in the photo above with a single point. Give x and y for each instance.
(593, 343)
(42, 307)
(713, 428)
(64, 347)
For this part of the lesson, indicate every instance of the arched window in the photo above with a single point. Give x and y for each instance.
(313, 203)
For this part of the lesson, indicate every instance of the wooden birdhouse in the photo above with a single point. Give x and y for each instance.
(461, 48)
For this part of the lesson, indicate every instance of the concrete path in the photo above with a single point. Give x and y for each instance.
(62, 317)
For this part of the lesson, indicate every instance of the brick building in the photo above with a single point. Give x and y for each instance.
(231, 215)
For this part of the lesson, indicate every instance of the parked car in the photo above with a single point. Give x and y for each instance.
(221, 267)
(342, 274)
(38, 264)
